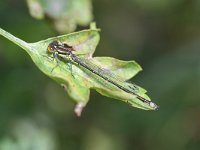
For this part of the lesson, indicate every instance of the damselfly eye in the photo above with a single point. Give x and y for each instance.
(50, 49)
(52, 46)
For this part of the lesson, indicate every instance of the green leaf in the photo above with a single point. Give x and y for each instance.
(76, 80)
(65, 14)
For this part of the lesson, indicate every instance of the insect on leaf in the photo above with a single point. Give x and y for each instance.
(78, 81)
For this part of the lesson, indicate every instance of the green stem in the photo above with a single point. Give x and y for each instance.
(14, 39)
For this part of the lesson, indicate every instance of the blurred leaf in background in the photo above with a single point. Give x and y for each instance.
(64, 14)
(28, 135)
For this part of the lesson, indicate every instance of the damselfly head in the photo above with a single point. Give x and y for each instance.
(52, 47)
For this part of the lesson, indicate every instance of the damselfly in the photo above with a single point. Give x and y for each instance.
(58, 48)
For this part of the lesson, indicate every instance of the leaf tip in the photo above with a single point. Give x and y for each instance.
(78, 109)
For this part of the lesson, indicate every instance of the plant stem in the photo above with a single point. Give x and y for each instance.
(14, 39)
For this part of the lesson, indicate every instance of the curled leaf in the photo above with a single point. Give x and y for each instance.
(77, 80)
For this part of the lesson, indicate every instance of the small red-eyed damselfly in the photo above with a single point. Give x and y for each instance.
(58, 49)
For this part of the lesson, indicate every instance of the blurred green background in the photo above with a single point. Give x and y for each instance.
(162, 36)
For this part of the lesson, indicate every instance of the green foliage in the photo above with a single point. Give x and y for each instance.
(65, 14)
(163, 36)
(75, 79)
